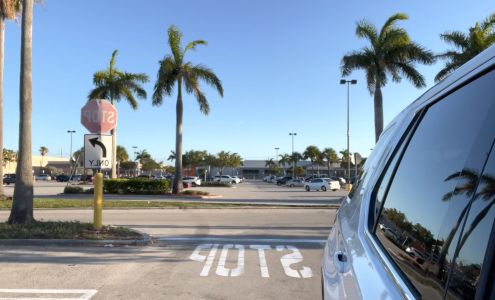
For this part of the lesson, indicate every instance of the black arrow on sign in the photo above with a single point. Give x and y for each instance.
(94, 142)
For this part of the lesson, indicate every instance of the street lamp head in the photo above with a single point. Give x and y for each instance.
(343, 81)
(354, 81)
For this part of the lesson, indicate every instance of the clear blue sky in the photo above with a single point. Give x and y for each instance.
(278, 61)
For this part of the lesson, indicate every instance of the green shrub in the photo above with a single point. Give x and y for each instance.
(219, 184)
(194, 192)
(136, 186)
(70, 189)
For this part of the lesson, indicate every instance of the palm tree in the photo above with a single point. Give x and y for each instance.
(173, 69)
(43, 151)
(330, 156)
(8, 11)
(22, 206)
(284, 160)
(122, 156)
(391, 53)
(312, 153)
(480, 37)
(295, 157)
(115, 85)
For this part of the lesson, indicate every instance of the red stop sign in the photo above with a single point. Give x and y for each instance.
(99, 116)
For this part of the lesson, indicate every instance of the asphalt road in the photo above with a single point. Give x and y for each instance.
(250, 192)
(199, 254)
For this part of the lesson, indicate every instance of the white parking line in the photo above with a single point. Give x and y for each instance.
(241, 240)
(85, 294)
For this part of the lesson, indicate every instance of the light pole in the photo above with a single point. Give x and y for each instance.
(70, 153)
(293, 134)
(344, 81)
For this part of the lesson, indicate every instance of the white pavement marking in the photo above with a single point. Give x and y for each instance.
(209, 260)
(86, 294)
(286, 260)
(222, 271)
(241, 240)
(261, 253)
(294, 258)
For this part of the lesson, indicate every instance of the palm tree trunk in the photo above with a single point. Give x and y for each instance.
(328, 168)
(378, 112)
(177, 187)
(22, 206)
(2, 36)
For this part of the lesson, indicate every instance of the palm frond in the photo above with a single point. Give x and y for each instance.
(174, 40)
(356, 60)
(446, 70)
(168, 73)
(129, 97)
(100, 92)
(100, 78)
(207, 75)
(367, 30)
(389, 24)
(407, 70)
(192, 45)
(456, 38)
(204, 107)
(488, 23)
(112, 61)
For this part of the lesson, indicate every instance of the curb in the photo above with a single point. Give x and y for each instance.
(145, 241)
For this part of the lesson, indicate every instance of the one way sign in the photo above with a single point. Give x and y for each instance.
(97, 151)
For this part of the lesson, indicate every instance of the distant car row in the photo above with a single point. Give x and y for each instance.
(309, 183)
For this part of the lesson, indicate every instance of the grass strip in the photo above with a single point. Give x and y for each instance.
(87, 203)
(65, 230)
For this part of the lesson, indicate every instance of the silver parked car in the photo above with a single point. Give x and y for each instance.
(419, 223)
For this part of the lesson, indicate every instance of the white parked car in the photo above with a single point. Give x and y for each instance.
(43, 177)
(193, 180)
(294, 182)
(320, 184)
(237, 179)
(224, 178)
(334, 184)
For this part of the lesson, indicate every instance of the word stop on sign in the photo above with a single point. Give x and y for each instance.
(286, 260)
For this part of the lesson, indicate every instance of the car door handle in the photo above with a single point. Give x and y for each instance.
(341, 257)
(341, 262)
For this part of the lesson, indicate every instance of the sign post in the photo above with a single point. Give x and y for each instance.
(98, 116)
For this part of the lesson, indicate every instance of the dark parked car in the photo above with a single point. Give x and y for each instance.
(419, 223)
(284, 180)
(62, 178)
(8, 178)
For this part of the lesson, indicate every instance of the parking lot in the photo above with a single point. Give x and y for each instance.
(197, 253)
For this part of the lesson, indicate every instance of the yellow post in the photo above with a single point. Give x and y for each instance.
(98, 206)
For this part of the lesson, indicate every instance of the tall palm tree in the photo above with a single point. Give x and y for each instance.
(284, 160)
(312, 152)
(115, 85)
(391, 53)
(330, 156)
(43, 151)
(8, 11)
(122, 156)
(22, 206)
(173, 69)
(467, 46)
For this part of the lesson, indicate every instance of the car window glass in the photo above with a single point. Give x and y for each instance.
(424, 206)
(472, 245)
